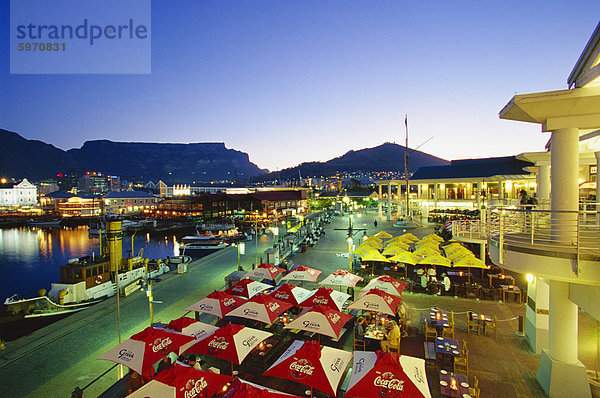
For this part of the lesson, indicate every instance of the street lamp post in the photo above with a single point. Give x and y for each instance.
(350, 254)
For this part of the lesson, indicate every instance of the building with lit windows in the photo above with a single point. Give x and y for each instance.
(129, 202)
(23, 194)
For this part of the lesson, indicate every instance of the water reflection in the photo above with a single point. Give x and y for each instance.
(30, 257)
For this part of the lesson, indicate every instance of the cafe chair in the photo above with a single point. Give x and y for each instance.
(430, 332)
(362, 344)
(492, 327)
(464, 347)
(472, 324)
(474, 390)
(461, 364)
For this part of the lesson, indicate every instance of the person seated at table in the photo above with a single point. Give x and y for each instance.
(134, 382)
(163, 364)
(424, 281)
(369, 319)
(194, 362)
(359, 328)
(431, 273)
(392, 337)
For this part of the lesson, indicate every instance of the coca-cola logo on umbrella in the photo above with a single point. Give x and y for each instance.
(388, 386)
(301, 369)
(218, 344)
(273, 306)
(162, 346)
(228, 302)
(193, 388)
(334, 318)
(282, 296)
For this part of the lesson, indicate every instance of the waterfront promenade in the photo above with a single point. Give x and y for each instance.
(53, 361)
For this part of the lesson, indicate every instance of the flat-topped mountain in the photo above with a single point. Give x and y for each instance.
(185, 163)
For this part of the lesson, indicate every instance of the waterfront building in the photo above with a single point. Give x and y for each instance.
(50, 202)
(93, 182)
(23, 194)
(557, 246)
(80, 206)
(464, 184)
(129, 202)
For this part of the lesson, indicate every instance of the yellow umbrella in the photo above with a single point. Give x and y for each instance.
(375, 256)
(362, 250)
(452, 246)
(391, 250)
(398, 243)
(459, 253)
(406, 258)
(410, 236)
(429, 243)
(400, 238)
(425, 251)
(371, 245)
(434, 237)
(470, 262)
(383, 235)
(436, 259)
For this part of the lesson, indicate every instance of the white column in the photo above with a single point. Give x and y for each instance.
(501, 192)
(380, 204)
(564, 180)
(562, 342)
(389, 200)
(435, 195)
(543, 183)
(597, 154)
(398, 201)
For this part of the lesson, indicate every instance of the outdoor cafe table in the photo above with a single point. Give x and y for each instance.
(375, 333)
(439, 320)
(511, 289)
(482, 319)
(447, 349)
(461, 385)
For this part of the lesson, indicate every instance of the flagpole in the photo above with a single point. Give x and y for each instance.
(406, 166)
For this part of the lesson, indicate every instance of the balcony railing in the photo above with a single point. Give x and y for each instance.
(572, 233)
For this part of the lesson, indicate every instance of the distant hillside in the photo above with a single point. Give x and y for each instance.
(185, 163)
(385, 157)
(31, 159)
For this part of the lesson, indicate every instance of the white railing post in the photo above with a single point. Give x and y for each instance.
(577, 246)
(532, 227)
(501, 238)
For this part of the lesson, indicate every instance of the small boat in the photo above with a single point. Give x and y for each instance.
(45, 224)
(202, 245)
(181, 259)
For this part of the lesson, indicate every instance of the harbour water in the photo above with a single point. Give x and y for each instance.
(30, 257)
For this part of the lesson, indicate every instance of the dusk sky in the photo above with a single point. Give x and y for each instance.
(295, 81)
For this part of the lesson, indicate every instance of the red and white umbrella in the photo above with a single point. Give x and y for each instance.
(341, 277)
(322, 320)
(261, 308)
(302, 273)
(231, 342)
(387, 375)
(327, 297)
(312, 365)
(182, 381)
(387, 284)
(144, 349)
(291, 294)
(243, 389)
(265, 271)
(217, 303)
(191, 327)
(248, 288)
(378, 301)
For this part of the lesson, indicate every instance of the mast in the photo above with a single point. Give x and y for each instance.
(406, 166)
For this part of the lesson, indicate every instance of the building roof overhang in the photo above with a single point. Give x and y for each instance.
(576, 108)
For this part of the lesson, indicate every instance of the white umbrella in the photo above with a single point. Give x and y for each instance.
(191, 327)
(378, 301)
(302, 273)
(322, 320)
(341, 277)
(387, 284)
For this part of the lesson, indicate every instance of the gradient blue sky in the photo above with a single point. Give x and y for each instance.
(295, 81)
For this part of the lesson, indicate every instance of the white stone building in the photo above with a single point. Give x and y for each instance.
(22, 194)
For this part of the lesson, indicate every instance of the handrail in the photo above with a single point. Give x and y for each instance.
(573, 232)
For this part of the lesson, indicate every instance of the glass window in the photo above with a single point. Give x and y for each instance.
(88, 273)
